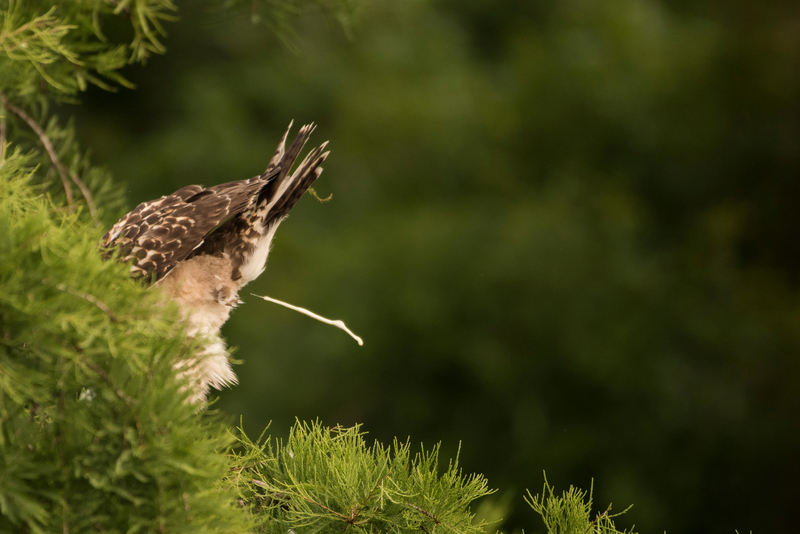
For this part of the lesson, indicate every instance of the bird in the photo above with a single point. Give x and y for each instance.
(200, 246)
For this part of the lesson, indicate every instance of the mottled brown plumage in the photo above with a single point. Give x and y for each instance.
(203, 245)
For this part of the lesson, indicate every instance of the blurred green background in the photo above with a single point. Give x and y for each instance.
(567, 231)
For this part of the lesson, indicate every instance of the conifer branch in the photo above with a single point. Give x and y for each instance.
(48, 145)
(89, 298)
(312, 501)
(2, 138)
(596, 519)
(426, 513)
(378, 483)
(121, 395)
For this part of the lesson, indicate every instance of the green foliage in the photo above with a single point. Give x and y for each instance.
(63, 44)
(280, 17)
(571, 512)
(94, 432)
(52, 52)
(329, 480)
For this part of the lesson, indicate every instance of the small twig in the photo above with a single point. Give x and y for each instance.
(48, 146)
(35, 23)
(337, 324)
(89, 298)
(378, 483)
(51, 151)
(242, 469)
(120, 395)
(355, 511)
(596, 519)
(312, 501)
(427, 513)
(3, 137)
(107, 379)
(64, 522)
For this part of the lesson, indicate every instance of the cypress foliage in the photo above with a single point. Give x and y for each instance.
(329, 480)
(94, 433)
(571, 512)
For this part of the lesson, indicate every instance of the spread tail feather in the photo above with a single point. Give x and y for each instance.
(282, 191)
(246, 237)
(279, 152)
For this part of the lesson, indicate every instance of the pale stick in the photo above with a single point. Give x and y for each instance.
(337, 324)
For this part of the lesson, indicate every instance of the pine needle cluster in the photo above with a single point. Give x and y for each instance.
(64, 45)
(570, 513)
(329, 480)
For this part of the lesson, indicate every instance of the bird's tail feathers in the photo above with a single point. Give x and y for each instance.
(279, 152)
(284, 158)
(282, 191)
(299, 182)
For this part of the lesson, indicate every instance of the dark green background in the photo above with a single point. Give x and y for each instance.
(566, 230)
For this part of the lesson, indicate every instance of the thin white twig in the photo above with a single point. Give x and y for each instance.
(337, 324)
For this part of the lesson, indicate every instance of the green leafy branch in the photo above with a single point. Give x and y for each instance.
(38, 41)
(146, 18)
(66, 48)
(328, 479)
(571, 512)
(65, 175)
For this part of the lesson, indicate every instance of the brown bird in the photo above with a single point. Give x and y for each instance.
(201, 246)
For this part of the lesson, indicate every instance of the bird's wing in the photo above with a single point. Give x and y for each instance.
(158, 234)
(228, 218)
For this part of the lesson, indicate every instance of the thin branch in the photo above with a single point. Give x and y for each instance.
(37, 22)
(312, 501)
(87, 297)
(243, 468)
(378, 483)
(596, 519)
(90, 298)
(307, 499)
(427, 513)
(120, 395)
(48, 145)
(3, 137)
(337, 323)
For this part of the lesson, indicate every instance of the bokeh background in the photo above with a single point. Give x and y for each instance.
(566, 229)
